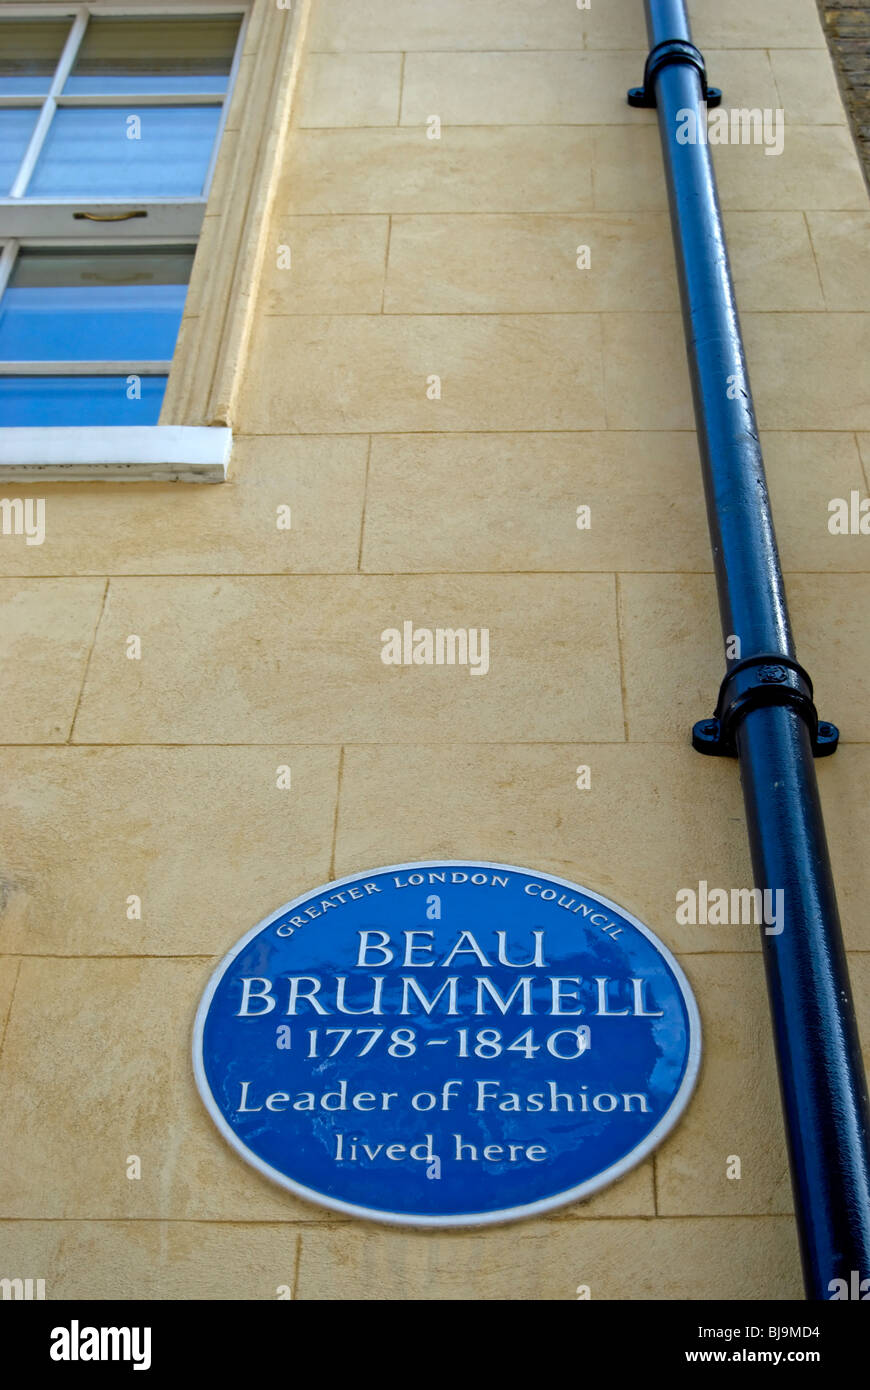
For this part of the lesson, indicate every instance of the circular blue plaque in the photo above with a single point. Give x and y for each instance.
(447, 1043)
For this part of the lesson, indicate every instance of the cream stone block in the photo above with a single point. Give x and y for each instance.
(863, 441)
(618, 24)
(275, 659)
(748, 24)
(46, 632)
(695, 1258)
(429, 373)
(96, 1070)
(409, 25)
(735, 1112)
(629, 173)
(818, 168)
(809, 370)
(481, 263)
(772, 261)
(833, 641)
(555, 88)
(672, 651)
(743, 73)
(148, 528)
(325, 265)
(732, 1258)
(741, 24)
(804, 473)
(807, 86)
(859, 975)
(460, 264)
(841, 241)
(632, 1195)
(843, 787)
(349, 89)
(515, 89)
(673, 655)
(141, 1261)
(644, 491)
(132, 822)
(646, 375)
(635, 835)
(467, 170)
(9, 967)
(522, 806)
(520, 498)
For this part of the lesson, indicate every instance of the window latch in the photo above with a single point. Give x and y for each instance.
(108, 216)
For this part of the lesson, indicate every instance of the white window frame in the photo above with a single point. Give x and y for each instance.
(120, 452)
(75, 367)
(21, 216)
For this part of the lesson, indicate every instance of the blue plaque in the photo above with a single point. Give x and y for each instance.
(447, 1043)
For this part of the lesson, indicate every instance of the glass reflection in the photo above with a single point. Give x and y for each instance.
(94, 305)
(155, 55)
(159, 152)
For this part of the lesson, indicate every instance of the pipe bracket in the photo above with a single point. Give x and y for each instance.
(767, 679)
(671, 51)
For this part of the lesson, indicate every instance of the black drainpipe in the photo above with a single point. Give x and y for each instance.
(765, 715)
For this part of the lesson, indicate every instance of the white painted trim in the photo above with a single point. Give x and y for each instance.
(120, 100)
(7, 261)
(79, 367)
(105, 242)
(232, 77)
(55, 98)
(175, 220)
(37, 10)
(116, 453)
(46, 115)
(110, 100)
(195, 200)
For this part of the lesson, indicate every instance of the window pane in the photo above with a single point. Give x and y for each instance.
(78, 400)
(29, 50)
(155, 55)
(103, 153)
(94, 305)
(16, 128)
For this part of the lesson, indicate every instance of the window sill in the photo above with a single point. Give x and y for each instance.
(116, 453)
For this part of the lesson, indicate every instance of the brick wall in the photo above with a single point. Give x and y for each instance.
(847, 27)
